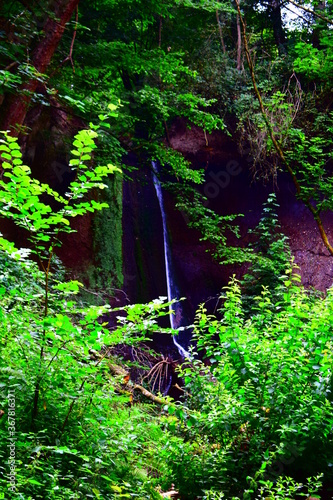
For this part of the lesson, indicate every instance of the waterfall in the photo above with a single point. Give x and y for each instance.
(172, 290)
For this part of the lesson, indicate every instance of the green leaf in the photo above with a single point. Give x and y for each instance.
(33, 481)
(6, 156)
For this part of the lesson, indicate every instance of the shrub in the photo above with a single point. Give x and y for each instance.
(68, 430)
(258, 407)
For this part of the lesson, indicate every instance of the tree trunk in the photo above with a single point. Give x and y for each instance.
(16, 105)
(319, 25)
(239, 45)
(220, 30)
(276, 18)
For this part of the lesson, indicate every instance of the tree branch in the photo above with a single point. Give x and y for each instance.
(310, 11)
(275, 142)
(16, 105)
(150, 395)
(120, 371)
(70, 55)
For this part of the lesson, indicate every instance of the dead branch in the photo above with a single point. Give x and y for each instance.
(239, 44)
(158, 373)
(299, 15)
(171, 493)
(297, 98)
(12, 65)
(120, 371)
(70, 55)
(150, 395)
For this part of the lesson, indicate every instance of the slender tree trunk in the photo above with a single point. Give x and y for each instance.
(239, 44)
(16, 105)
(220, 31)
(276, 18)
(319, 25)
(160, 26)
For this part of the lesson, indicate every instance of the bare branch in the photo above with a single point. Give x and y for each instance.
(150, 395)
(310, 11)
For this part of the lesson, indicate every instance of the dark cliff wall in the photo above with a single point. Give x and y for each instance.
(128, 238)
(94, 252)
(230, 188)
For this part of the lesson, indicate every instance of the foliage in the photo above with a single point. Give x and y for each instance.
(213, 227)
(151, 79)
(22, 196)
(272, 259)
(315, 64)
(71, 432)
(311, 155)
(284, 488)
(181, 168)
(256, 410)
(178, 59)
(258, 407)
(256, 416)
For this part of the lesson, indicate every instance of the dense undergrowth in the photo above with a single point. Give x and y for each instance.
(255, 419)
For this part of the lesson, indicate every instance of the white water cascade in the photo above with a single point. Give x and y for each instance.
(172, 290)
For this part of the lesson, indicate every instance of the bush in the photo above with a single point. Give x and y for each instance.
(272, 257)
(68, 429)
(258, 407)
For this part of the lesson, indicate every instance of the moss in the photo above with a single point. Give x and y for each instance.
(107, 273)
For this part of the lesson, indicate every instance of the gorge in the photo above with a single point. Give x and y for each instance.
(166, 229)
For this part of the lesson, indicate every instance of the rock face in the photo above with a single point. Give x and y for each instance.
(143, 253)
(230, 188)
(47, 152)
(46, 149)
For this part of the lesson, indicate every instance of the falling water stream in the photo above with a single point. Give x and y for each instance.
(172, 290)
